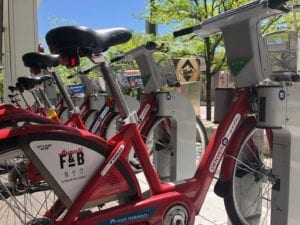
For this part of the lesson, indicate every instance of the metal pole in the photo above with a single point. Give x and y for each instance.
(151, 28)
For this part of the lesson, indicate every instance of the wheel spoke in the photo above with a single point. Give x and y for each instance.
(249, 199)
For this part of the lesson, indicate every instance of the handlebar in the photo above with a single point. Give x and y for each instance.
(118, 58)
(185, 31)
(12, 88)
(215, 24)
(278, 4)
(84, 72)
(149, 45)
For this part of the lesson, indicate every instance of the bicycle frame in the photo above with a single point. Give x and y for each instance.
(14, 114)
(160, 206)
(189, 193)
(103, 118)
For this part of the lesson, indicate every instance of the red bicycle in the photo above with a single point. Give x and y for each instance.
(88, 113)
(91, 178)
(16, 115)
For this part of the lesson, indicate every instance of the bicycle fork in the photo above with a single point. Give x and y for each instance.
(240, 121)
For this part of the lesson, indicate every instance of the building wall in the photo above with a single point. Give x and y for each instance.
(20, 37)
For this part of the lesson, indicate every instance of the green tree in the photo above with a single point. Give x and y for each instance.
(185, 13)
(178, 14)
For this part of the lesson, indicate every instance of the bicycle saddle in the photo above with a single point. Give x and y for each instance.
(40, 60)
(84, 41)
(12, 88)
(28, 83)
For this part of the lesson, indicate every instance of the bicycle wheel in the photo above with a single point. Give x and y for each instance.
(158, 137)
(161, 126)
(25, 196)
(89, 118)
(249, 198)
(22, 201)
(201, 139)
(104, 127)
(110, 127)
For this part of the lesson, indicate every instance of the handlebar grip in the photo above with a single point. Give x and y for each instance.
(11, 88)
(277, 4)
(150, 45)
(183, 31)
(85, 72)
(70, 77)
(118, 58)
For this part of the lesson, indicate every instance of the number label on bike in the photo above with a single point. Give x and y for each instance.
(281, 95)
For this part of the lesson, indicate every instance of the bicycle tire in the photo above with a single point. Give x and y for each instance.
(201, 137)
(88, 121)
(163, 140)
(20, 201)
(64, 115)
(107, 128)
(23, 202)
(248, 200)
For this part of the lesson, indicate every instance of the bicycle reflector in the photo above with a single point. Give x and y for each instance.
(69, 61)
(41, 48)
(35, 70)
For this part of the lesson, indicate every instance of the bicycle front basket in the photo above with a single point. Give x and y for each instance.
(283, 54)
(168, 72)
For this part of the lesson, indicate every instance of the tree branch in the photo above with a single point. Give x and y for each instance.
(219, 66)
(272, 21)
(217, 42)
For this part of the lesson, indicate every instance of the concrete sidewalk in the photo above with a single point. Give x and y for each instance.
(213, 211)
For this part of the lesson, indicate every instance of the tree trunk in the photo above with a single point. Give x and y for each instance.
(208, 62)
(208, 97)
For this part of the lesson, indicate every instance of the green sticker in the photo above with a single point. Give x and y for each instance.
(236, 65)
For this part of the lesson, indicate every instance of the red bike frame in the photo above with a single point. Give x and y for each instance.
(12, 113)
(189, 193)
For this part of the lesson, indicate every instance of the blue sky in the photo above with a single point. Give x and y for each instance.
(92, 13)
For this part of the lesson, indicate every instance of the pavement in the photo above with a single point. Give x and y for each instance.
(213, 211)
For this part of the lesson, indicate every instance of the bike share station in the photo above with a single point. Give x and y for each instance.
(277, 58)
(275, 55)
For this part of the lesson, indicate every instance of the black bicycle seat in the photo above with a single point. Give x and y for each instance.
(28, 83)
(84, 41)
(12, 88)
(40, 60)
(41, 79)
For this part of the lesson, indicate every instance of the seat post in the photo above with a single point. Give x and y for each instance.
(116, 92)
(64, 92)
(45, 98)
